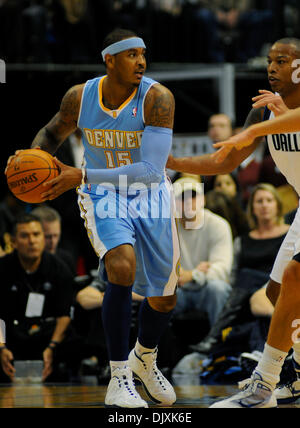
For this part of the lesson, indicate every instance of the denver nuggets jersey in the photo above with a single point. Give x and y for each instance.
(112, 138)
(285, 151)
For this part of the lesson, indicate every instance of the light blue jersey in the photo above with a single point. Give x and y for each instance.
(143, 219)
(112, 138)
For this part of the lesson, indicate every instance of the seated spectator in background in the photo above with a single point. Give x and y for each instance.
(51, 222)
(232, 30)
(228, 185)
(219, 129)
(10, 207)
(206, 253)
(35, 302)
(254, 256)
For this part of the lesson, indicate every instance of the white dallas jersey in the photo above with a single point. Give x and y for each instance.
(285, 151)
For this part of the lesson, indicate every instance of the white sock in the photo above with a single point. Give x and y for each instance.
(139, 349)
(118, 365)
(271, 364)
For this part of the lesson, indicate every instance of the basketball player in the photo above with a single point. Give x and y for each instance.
(126, 121)
(283, 287)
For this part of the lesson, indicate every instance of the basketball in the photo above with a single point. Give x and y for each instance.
(27, 173)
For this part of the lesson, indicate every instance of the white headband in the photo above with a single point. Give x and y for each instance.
(123, 45)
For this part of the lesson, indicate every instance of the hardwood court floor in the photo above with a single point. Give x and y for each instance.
(91, 396)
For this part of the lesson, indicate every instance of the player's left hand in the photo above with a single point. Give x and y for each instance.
(274, 102)
(238, 141)
(69, 178)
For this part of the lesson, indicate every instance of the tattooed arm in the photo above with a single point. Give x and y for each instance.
(62, 124)
(159, 107)
(206, 164)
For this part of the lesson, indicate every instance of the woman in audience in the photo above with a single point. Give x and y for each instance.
(254, 255)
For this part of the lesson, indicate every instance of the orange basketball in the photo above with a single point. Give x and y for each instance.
(28, 171)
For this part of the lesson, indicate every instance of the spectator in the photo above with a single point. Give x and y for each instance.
(254, 255)
(51, 222)
(232, 30)
(10, 207)
(35, 301)
(206, 254)
(228, 208)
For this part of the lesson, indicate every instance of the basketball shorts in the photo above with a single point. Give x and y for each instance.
(289, 250)
(144, 220)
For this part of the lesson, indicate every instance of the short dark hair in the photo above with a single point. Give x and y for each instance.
(290, 41)
(23, 219)
(117, 35)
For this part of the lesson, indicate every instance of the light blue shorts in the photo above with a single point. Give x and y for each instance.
(146, 221)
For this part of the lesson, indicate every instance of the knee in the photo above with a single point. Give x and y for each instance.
(218, 287)
(163, 304)
(120, 267)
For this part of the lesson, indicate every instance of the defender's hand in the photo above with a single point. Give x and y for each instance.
(268, 99)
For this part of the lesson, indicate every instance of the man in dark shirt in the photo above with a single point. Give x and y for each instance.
(35, 299)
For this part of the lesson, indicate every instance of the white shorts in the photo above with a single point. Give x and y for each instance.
(290, 247)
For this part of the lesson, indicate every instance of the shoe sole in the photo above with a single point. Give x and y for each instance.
(288, 400)
(155, 401)
(110, 406)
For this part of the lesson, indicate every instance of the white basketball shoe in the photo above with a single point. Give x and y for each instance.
(157, 387)
(121, 391)
(256, 393)
(290, 392)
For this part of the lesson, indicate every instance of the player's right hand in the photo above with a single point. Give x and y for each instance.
(274, 102)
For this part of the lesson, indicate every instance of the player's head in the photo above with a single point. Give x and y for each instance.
(28, 237)
(219, 127)
(124, 56)
(51, 222)
(282, 65)
(264, 205)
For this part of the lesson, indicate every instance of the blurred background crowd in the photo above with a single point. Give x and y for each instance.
(64, 31)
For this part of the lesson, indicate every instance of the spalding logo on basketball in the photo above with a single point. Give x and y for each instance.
(28, 171)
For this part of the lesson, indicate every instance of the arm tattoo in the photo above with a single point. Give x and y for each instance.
(62, 124)
(255, 116)
(160, 108)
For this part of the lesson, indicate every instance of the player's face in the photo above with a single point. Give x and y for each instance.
(130, 66)
(265, 207)
(29, 240)
(280, 68)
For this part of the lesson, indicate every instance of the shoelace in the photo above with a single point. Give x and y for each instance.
(158, 375)
(129, 385)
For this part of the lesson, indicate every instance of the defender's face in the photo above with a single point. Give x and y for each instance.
(130, 66)
(280, 68)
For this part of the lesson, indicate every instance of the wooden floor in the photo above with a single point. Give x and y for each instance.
(24, 395)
